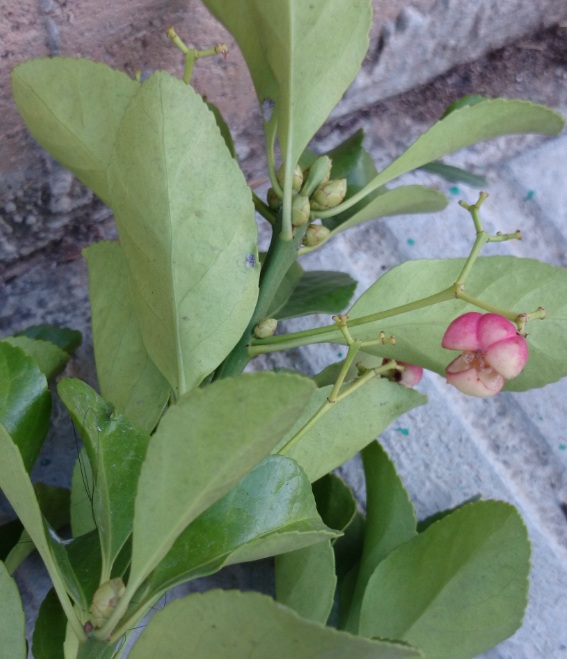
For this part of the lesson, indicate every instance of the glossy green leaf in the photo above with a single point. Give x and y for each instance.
(73, 108)
(306, 581)
(204, 445)
(457, 589)
(85, 561)
(302, 56)
(25, 401)
(390, 521)
(470, 124)
(63, 337)
(347, 427)
(407, 199)
(17, 487)
(187, 228)
(271, 510)
(12, 621)
(50, 627)
(335, 501)
(223, 623)
(318, 291)
(50, 359)
(116, 449)
(93, 649)
(126, 375)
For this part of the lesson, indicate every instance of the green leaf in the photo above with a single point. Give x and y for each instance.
(457, 589)
(50, 628)
(302, 56)
(54, 505)
(347, 427)
(126, 375)
(286, 288)
(269, 511)
(18, 489)
(25, 401)
(203, 447)
(306, 581)
(223, 127)
(223, 623)
(12, 621)
(455, 174)
(116, 449)
(335, 501)
(318, 291)
(507, 282)
(186, 222)
(93, 649)
(390, 521)
(73, 108)
(50, 359)
(470, 124)
(407, 199)
(66, 339)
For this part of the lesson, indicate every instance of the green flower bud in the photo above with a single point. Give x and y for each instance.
(297, 180)
(265, 328)
(105, 600)
(318, 174)
(300, 210)
(273, 200)
(315, 235)
(329, 195)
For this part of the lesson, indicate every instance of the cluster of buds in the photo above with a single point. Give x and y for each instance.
(104, 602)
(492, 351)
(313, 190)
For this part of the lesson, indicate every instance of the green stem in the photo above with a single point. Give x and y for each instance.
(328, 334)
(270, 131)
(192, 55)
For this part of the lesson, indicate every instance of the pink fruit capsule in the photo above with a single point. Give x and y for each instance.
(493, 352)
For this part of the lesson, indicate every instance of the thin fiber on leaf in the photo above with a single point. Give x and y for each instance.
(187, 230)
(116, 450)
(204, 445)
(73, 108)
(457, 589)
(222, 623)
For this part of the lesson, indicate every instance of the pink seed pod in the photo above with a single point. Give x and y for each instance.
(493, 352)
(410, 376)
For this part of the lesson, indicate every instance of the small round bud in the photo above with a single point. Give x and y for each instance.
(329, 195)
(265, 328)
(105, 600)
(273, 200)
(318, 174)
(315, 235)
(300, 210)
(297, 180)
